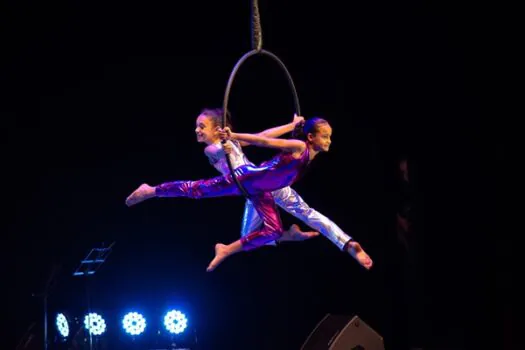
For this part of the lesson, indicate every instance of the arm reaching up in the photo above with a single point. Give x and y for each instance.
(278, 131)
(292, 146)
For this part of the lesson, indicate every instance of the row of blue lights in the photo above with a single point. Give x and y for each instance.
(134, 323)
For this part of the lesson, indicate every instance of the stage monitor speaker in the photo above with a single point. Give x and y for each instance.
(343, 332)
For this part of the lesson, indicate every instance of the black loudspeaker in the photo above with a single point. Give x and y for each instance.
(343, 332)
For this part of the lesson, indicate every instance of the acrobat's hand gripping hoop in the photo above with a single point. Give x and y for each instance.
(256, 50)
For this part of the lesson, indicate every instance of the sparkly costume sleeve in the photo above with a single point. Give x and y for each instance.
(290, 201)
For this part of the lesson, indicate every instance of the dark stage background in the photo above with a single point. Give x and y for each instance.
(102, 96)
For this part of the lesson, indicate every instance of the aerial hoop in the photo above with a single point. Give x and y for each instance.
(256, 50)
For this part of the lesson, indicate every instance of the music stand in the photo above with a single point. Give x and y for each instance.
(88, 267)
(50, 284)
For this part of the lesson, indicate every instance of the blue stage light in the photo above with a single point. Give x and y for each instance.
(62, 325)
(175, 322)
(95, 323)
(134, 323)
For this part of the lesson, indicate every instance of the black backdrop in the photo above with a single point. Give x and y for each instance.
(100, 97)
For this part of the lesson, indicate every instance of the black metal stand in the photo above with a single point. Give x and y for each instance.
(44, 295)
(87, 268)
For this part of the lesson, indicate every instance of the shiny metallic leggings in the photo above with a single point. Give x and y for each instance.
(290, 201)
(263, 203)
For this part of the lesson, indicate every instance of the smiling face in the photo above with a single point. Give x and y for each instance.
(206, 130)
(321, 137)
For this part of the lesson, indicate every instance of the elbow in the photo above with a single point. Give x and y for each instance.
(300, 148)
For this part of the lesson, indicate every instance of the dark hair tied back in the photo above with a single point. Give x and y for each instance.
(310, 126)
(215, 114)
(298, 132)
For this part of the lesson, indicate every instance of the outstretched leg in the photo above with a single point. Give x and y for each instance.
(271, 230)
(142, 193)
(288, 199)
(222, 251)
(215, 187)
(272, 226)
(358, 253)
(251, 221)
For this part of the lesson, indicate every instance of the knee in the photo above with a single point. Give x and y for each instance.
(194, 192)
(188, 188)
(273, 225)
(302, 212)
(272, 232)
(196, 189)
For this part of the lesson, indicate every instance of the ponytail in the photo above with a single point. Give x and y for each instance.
(310, 126)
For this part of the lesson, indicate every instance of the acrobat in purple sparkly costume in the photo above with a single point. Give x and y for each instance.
(259, 181)
(286, 198)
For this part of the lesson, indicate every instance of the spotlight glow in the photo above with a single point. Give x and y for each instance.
(95, 323)
(175, 322)
(134, 323)
(62, 325)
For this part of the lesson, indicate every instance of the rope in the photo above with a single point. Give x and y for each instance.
(256, 50)
(256, 27)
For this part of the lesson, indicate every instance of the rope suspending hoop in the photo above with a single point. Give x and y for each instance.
(256, 50)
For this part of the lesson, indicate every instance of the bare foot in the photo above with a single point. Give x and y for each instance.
(142, 193)
(294, 233)
(359, 254)
(221, 253)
